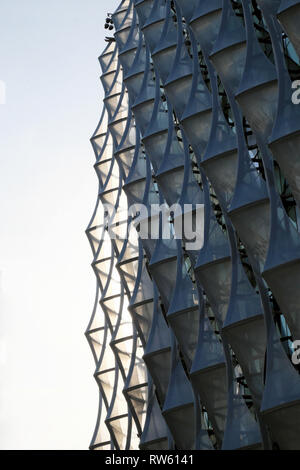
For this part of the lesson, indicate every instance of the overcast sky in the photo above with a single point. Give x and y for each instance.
(48, 62)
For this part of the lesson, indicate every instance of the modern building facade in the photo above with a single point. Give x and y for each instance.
(195, 348)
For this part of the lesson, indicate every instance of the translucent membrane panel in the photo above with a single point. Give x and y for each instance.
(159, 364)
(123, 108)
(281, 399)
(155, 146)
(110, 47)
(135, 37)
(134, 84)
(97, 320)
(158, 353)
(112, 307)
(143, 9)
(197, 129)
(149, 87)
(248, 340)
(181, 422)
(143, 113)
(118, 230)
(137, 398)
(117, 85)
(155, 432)
(205, 23)
(183, 314)
(101, 438)
(222, 172)
(122, 35)
(125, 159)
(102, 269)
(106, 382)
(135, 191)
(114, 176)
(284, 281)
(105, 61)
(129, 271)
(107, 360)
(95, 230)
(118, 428)
(169, 35)
(136, 388)
(164, 274)
(103, 169)
(187, 7)
(142, 316)
(107, 80)
(208, 375)
(107, 149)
(286, 151)
(107, 275)
(96, 340)
(102, 125)
(242, 431)
(164, 60)
(129, 138)
(252, 223)
(170, 184)
(185, 326)
(229, 64)
(216, 280)
(152, 33)
(159, 121)
(98, 143)
(113, 65)
(135, 440)
(117, 129)
(111, 104)
(179, 92)
(122, 349)
(178, 409)
(124, 327)
(138, 374)
(284, 425)
(123, 206)
(105, 248)
(260, 118)
(127, 58)
(140, 168)
(143, 291)
(123, 15)
(289, 16)
(212, 387)
(132, 250)
(148, 242)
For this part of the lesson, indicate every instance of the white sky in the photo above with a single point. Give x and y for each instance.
(48, 61)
